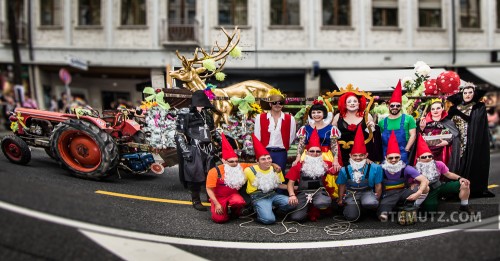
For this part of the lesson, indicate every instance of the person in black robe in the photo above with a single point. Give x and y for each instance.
(469, 115)
(195, 138)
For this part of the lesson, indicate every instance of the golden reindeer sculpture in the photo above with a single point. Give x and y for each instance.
(193, 74)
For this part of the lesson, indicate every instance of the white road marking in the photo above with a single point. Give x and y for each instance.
(244, 245)
(133, 249)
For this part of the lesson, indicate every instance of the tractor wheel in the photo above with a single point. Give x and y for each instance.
(50, 153)
(16, 150)
(84, 149)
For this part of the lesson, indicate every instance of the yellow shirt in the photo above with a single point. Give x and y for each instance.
(251, 177)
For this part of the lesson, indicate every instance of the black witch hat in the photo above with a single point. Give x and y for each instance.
(200, 99)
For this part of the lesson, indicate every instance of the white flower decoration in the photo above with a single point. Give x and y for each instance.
(422, 69)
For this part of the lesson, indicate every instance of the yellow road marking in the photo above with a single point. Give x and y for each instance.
(171, 201)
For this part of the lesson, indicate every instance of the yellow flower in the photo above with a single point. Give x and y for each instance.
(256, 108)
(13, 126)
(416, 115)
(146, 105)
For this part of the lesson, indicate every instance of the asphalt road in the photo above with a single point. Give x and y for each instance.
(44, 187)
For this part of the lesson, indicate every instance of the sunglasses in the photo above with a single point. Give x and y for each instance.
(427, 157)
(395, 105)
(314, 151)
(276, 103)
(232, 161)
(394, 158)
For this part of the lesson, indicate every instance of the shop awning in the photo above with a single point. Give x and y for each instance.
(376, 80)
(490, 75)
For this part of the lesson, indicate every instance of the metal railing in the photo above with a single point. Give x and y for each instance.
(21, 28)
(175, 31)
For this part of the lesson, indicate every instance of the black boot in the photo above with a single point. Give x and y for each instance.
(195, 198)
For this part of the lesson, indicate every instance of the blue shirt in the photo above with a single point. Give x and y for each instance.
(374, 178)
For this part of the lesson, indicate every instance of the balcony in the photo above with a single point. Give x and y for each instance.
(176, 33)
(22, 32)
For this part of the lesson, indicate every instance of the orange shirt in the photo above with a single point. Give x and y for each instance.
(212, 174)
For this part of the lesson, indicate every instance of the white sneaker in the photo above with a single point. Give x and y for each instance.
(383, 217)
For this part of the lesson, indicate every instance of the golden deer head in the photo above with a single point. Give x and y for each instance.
(193, 74)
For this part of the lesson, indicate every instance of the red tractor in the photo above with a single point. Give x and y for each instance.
(89, 145)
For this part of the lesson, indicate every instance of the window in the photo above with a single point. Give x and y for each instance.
(233, 12)
(469, 14)
(285, 12)
(429, 13)
(89, 12)
(18, 7)
(50, 12)
(19, 10)
(181, 20)
(498, 14)
(133, 12)
(337, 12)
(385, 13)
(182, 12)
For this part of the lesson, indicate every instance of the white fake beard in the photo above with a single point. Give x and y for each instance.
(357, 165)
(429, 170)
(357, 168)
(313, 167)
(393, 168)
(266, 182)
(234, 176)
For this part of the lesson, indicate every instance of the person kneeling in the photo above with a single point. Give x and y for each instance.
(359, 178)
(396, 183)
(432, 170)
(310, 175)
(262, 181)
(223, 183)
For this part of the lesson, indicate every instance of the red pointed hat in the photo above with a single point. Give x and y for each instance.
(227, 150)
(359, 142)
(314, 139)
(397, 95)
(422, 146)
(259, 149)
(392, 145)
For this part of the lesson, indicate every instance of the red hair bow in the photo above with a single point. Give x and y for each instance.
(317, 102)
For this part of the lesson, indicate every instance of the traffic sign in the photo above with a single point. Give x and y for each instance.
(65, 76)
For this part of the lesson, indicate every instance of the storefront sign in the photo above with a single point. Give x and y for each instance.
(77, 62)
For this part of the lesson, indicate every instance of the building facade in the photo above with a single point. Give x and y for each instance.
(301, 47)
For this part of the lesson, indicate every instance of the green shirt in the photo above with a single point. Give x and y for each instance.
(393, 124)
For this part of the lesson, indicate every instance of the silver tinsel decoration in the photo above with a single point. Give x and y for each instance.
(240, 129)
(161, 125)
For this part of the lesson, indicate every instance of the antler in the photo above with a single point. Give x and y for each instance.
(218, 53)
(193, 68)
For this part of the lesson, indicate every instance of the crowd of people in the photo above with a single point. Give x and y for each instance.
(347, 161)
